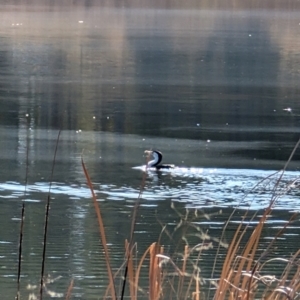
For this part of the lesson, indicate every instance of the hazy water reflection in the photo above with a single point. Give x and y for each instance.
(215, 89)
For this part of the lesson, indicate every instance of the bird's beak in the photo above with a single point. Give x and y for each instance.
(148, 152)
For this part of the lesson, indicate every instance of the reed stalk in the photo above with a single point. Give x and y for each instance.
(47, 219)
(21, 232)
(102, 232)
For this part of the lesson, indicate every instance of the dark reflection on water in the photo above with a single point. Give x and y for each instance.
(215, 88)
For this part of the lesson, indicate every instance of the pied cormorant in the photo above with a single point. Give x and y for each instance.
(157, 158)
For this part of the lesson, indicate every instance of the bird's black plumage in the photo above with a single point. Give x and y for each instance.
(157, 158)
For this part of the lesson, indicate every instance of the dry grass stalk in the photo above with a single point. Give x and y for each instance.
(102, 232)
(183, 270)
(238, 277)
(69, 291)
(132, 229)
(154, 275)
(130, 274)
(155, 288)
(196, 294)
(288, 285)
(196, 273)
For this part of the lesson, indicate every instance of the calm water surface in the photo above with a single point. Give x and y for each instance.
(215, 90)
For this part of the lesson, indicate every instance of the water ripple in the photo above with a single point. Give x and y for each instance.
(195, 187)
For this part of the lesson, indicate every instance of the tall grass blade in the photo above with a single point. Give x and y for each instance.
(47, 219)
(131, 275)
(237, 279)
(155, 288)
(22, 221)
(69, 291)
(102, 232)
(183, 270)
(196, 294)
(20, 250)
(132, 229)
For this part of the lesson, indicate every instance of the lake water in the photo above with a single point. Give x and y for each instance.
(215, 88)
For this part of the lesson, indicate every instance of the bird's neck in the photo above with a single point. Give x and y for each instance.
(156, 160)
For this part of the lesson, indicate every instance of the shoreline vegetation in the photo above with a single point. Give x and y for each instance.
(178, 275)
